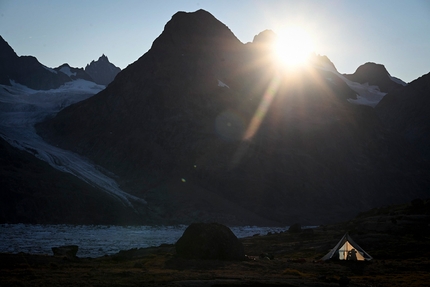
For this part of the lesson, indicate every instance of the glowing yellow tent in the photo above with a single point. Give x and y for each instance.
(347, 249)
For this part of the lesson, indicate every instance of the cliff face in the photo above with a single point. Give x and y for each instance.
(207, 128)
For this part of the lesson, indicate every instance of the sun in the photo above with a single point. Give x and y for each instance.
(293, 47)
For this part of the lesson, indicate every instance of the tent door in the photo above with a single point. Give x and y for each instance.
(348, 252)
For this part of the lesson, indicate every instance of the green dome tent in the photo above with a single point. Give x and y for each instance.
(347, 249)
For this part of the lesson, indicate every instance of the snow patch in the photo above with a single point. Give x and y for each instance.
(76, 86)
(223, 85)
(368, 95)
(396, 80)
(66, 70)
(79, 85)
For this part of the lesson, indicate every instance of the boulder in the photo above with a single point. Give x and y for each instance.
(209, 241)
(295, 228)
(68, 251)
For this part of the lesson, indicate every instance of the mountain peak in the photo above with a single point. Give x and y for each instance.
(7, 55)
(375, 74)
(103, 57)
(194, 30)
(372, 67)
(102, 71)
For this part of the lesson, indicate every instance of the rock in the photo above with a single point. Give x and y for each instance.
(68, 251)
(209, 241)
(296, 227)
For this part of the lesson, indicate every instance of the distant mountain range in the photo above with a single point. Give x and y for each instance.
(206, 128)
(28, 71)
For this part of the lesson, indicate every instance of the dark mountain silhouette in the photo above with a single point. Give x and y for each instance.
(73, 73)
(28, 71)
(376, 74)
(102, 71)
(207, 128)
(34, 192)
(407, 112)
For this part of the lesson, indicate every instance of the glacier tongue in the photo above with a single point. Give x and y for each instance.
(21, 108)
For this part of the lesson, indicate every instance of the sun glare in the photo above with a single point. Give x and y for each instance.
(293, 47)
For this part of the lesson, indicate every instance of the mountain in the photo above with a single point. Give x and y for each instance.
(407, 112)
(34, 192)
(204, 127)
(73, 73)
(28, 71)
(102, 71)
(376, 74)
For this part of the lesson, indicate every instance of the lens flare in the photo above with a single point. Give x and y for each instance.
(263, 107)
(293, 47)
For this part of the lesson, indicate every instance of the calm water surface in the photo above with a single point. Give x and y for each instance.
(98, 240)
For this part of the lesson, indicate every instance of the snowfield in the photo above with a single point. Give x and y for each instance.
(368, 95)
(21, 108)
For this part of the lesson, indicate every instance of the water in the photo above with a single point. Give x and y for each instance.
(98, 240)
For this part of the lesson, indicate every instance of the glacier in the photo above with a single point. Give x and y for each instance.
(21, 108)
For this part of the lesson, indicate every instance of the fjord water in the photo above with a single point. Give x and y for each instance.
(98, 240)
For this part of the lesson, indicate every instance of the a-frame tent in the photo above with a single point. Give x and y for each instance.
(347, 249)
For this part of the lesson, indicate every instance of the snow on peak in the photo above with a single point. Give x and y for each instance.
(368, 95)
(66, 70)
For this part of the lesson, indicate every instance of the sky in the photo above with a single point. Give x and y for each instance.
(350, 33)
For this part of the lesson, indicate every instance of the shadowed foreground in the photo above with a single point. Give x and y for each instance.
(397, 238)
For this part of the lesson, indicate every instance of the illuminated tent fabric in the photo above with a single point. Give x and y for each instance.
(347, 249)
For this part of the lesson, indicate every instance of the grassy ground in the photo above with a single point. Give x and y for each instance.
(398, 241)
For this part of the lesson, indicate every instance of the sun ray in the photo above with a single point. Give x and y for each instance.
(262, 107)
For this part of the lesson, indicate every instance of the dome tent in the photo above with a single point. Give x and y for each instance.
(347, 249)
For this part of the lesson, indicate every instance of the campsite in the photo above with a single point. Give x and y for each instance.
(395, 239)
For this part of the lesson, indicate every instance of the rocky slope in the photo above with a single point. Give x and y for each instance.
(407, 112)
(205, 127)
